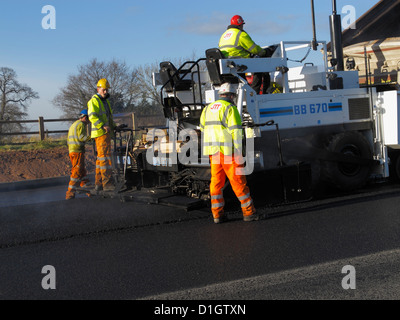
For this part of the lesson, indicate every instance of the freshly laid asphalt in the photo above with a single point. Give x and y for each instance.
(35, 211)
(171, 251)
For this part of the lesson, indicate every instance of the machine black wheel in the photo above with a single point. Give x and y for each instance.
(397, 167)
(394, 167)
(347, 176)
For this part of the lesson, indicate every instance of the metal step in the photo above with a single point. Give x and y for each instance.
(163, 198)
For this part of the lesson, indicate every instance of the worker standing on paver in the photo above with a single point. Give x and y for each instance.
(236, 43)
(77, 137)
(222, 141)
(100, 115)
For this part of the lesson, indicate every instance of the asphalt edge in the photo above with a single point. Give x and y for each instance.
(31, 184)
(35, 183)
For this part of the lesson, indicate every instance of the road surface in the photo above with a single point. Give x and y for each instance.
(106, 249)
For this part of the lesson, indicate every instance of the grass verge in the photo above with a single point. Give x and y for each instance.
(32, 144)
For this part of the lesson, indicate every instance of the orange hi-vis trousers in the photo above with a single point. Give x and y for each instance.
(225, 166)
(78, 173)
(103, 162)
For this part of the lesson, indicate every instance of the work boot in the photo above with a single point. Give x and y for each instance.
(87, 184)
(253, 217)
(221, 219)
(97, 189)
(85, 188)
(109, 188)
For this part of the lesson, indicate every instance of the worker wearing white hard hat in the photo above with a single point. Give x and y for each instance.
(222, 138)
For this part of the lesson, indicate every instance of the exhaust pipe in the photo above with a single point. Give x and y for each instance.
(314, 40)
(336, 39)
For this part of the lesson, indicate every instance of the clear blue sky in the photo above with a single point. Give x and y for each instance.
(139, 32)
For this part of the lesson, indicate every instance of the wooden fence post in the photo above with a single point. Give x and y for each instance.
(41, 128)
(133, 121)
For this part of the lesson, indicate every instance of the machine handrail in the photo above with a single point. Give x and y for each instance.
(183, 75)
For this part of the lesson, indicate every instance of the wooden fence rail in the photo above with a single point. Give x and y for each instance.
(133, 121)
(42, 132)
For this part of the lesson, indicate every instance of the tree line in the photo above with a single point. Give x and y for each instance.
(132, 90)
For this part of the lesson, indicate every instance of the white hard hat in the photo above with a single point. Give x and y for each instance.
(226, 88)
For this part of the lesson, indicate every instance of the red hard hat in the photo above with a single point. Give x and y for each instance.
(237, 20)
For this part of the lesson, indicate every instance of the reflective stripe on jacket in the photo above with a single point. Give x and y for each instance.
(237, 43)
(222, 127)
(99, 117)
(77, 136)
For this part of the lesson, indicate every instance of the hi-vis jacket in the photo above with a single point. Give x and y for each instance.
(237, 43)
(222, 128)
(99, 116)
(77, 136)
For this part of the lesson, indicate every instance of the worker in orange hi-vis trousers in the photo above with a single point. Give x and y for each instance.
(77, 137)
(221, 125)
(100, 115)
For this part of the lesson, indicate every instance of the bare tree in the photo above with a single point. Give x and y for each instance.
(149, 91)
(81, 87)
(14, 99)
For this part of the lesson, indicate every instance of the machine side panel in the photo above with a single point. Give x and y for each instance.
(388, 101)
(312, 109)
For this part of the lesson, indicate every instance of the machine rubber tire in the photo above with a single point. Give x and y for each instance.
(397, 166)
(394, 167)
(344, 176)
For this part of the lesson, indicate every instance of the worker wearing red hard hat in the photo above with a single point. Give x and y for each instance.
(236, 43)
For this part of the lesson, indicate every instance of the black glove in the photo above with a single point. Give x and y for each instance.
(120, 127)
(262, 53)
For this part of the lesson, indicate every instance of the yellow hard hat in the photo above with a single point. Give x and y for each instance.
(103, 83)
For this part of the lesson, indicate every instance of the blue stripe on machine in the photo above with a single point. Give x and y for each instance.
(284, 111)
(335, 106)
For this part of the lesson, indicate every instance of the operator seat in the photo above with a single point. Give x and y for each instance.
(213, 55)
(171, 79)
